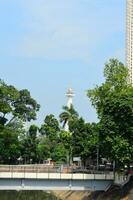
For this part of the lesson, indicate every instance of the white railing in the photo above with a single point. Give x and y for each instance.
(42, 171)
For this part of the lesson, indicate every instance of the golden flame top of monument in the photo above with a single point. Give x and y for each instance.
(70, 93)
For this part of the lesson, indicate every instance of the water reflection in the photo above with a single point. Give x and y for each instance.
(26, 195)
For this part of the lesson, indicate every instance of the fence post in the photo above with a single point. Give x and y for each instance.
(24, 171)
(36, 171)
(11, 171)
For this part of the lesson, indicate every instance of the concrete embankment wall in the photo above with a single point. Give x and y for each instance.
(115, 192)
(72, 195)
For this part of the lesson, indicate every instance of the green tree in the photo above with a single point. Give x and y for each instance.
(50, 135)
(66, 141)
(16, 107)
(50, 128)
(9, 142)
(29, 143)
(43, 149)
(15, 104)
(60, 153)
(113, 101)
(68, 115)
(84, 139)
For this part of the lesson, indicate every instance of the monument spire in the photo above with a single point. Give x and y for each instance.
(70, 94)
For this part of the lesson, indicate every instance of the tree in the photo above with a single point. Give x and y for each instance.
(43, 149)
(84, 139)
(16, 107)
(10, 149)
(66, 141)
(68, 115)
(29, 143)
(113, 101)
(15, 104)
(50, 128)
(60, 153)
(25, 107)
(50, 132)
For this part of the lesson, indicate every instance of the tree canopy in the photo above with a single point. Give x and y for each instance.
(113, 101)
(111, 137)
(16, 107)
(16, 104)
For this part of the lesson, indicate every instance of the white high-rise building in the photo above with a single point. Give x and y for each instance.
(129, 38)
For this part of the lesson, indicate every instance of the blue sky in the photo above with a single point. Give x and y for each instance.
(48, 46)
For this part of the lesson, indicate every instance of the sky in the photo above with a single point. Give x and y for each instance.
(47, 46)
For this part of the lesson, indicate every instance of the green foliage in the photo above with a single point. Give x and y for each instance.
(27, 195)
(113, 101)
(29, 144)
(50, 128)
(15, 104)
(43, 149)
(84, 138)
(25, 107)
(65, 138)
(60, 153)
(48, 142)
(116, 74)
(17, 107)
(113, 134)
(9, 142)
(66, 141)
(68, 115)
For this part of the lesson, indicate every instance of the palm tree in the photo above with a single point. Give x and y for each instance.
(68, 115)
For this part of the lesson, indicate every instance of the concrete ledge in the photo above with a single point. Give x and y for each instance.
(53, 184)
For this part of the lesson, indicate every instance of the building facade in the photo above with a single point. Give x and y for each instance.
(129, 38)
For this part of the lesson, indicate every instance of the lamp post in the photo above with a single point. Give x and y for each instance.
(98, 156)
(98, 145)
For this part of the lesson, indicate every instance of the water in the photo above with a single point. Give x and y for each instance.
(26, 195)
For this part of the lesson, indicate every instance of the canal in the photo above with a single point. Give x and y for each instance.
(26, 195)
